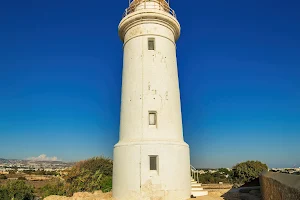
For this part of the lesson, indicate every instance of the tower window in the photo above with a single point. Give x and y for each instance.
(152, 118)
(151, 44)
(153, 162)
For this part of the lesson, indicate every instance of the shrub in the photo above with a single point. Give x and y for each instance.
(247, 171)
(18, 190)
(4, 194)
(90, 175)
(22, 178)
(2, 176)
(106, 184)
(105, 165)
(41, 172)
(56, 188)
(225, 171)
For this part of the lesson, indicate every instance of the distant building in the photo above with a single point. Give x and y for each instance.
(4, 172)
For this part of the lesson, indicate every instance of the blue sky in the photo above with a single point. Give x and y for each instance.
(239, 70)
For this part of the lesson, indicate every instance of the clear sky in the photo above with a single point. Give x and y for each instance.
(239, 70)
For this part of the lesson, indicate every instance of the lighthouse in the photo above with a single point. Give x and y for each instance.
(151, 159)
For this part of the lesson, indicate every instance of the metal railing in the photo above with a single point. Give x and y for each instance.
(195, 174)
(144, 4)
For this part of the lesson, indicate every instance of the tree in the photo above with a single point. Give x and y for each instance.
(225, 171)
(249, 170)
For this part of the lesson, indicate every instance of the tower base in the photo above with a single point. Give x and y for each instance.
(133, 179)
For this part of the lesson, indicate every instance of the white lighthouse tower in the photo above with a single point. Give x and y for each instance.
(151, 159)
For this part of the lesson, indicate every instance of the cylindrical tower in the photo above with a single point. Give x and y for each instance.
(151, 159)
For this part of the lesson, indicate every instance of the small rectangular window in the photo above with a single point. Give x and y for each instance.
(151, 44)
(152, 118)
(153, 162)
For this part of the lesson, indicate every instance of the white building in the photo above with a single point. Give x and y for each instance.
(151, 159)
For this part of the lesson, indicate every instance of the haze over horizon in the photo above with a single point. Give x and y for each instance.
(239, 69)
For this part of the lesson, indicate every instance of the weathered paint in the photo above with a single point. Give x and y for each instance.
(150, 83)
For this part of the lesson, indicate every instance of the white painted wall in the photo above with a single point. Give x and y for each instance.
(150, 83)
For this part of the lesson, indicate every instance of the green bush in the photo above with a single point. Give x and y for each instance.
(225, 171)
(41, 172)
(18, 190)
(213, 178)
(2, 176)
(106, 184)
(247, 171)
(4, 194)
(105, 165)
(56, 188)
(90, 175)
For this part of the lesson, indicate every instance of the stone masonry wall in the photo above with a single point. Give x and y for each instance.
(279, 186)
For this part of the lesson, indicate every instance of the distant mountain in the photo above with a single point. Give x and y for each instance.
(13, 161)
(8, 160)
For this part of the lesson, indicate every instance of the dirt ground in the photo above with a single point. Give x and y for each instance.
(226, 192)
(215, 192)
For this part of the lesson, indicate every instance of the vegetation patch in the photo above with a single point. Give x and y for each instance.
(85, 176)
(16, 190)
(248, 171)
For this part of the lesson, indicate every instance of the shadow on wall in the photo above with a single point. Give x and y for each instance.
(280, 186)
(271, 186)
(248, 191)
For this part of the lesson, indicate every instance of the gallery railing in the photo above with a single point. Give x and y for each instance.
(137, 5)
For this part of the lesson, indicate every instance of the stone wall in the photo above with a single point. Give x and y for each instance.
(279, 186)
